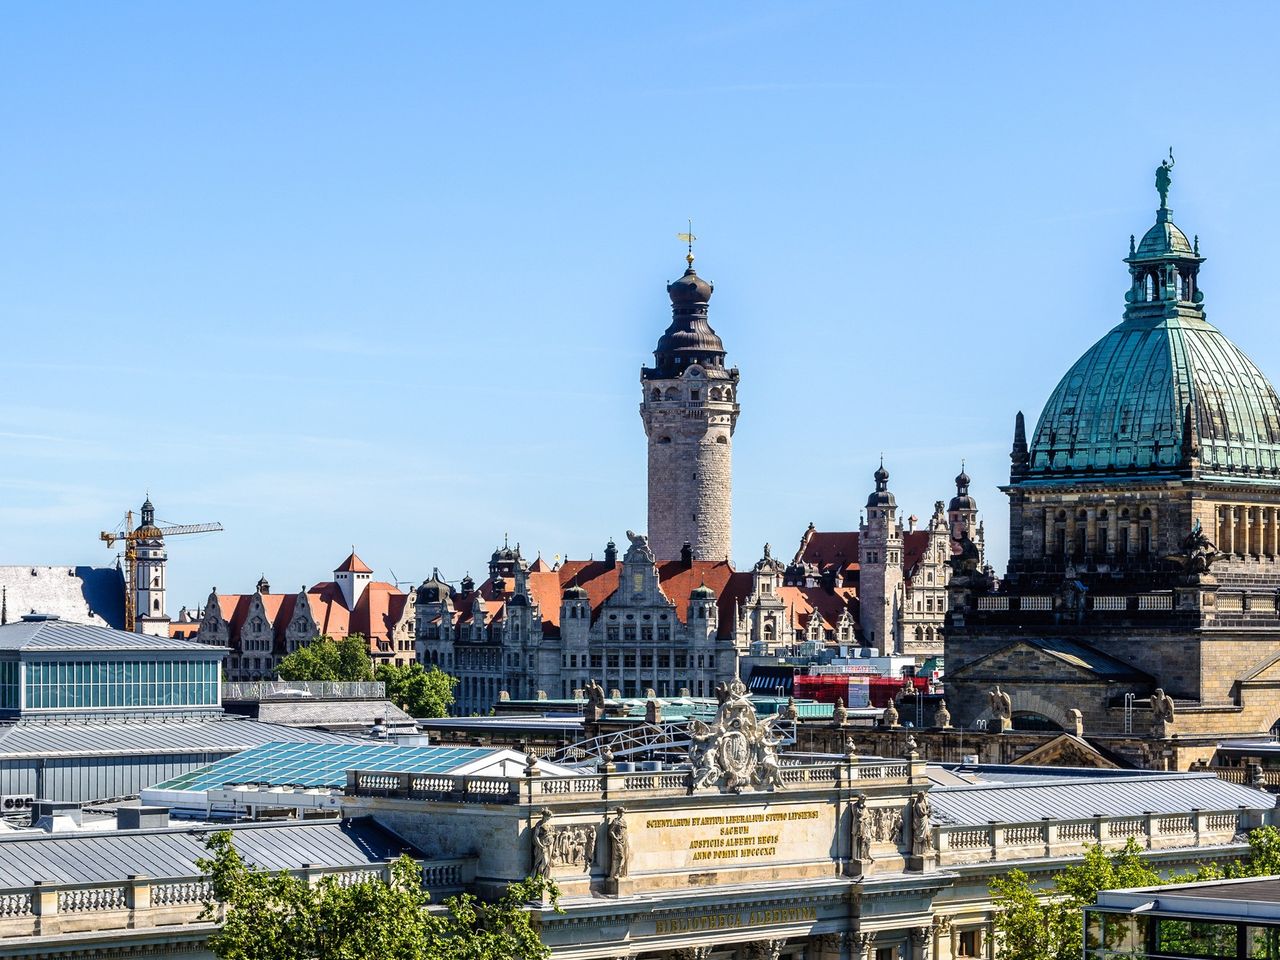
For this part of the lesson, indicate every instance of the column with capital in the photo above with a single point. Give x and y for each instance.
(944, 947)
(921, 943)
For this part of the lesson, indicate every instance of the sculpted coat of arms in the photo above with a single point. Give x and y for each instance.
(738, 750)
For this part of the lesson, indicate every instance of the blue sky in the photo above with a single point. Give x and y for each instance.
(385, 274)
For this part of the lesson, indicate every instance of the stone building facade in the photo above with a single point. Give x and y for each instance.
(262, 627)
(1142, 587)
(631, 622)
(898, 574)
(689, 405)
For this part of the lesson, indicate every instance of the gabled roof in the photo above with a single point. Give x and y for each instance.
(1074, 654)
(353, 564)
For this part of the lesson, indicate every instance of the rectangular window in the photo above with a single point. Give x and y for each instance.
(646, 659)
(664, 633)
(629, 633)
(596, 661)
(664, 661)
(611, 633)
(646, 632)
(967, 943)
(613, 661)
(1190, 938)
(680, 661)
(629, 660)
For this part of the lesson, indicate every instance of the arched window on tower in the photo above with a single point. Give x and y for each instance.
(656, 394)
(1148, 287)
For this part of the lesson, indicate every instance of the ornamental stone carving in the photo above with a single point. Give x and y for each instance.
(886, 825)
(766, 949)
(543, 845)
(691, 953)
(1162, 712)
(921, 829)
(572, 846)
(619, 845)
(736, 751)
(863, 820)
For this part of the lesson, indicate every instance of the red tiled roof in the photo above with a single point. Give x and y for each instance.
(914, 545)
(353, 564)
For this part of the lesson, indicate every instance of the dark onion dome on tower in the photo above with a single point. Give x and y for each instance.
(962, 500)
(689, 339)
(1164, 392)
(575, 592)
(882, 497)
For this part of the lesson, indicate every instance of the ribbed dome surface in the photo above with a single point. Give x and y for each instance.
(1162, 239)
(1121, 406)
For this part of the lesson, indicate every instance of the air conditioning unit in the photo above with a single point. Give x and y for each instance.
(17, 803)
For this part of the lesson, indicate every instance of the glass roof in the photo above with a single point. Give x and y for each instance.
(321, 764)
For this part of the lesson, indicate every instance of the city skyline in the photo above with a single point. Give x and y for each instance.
(281, 314)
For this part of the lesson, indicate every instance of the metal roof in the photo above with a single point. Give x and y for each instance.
(26, 739)
(322, 764)
(91, 856)
(64, 636)
(1105, 795)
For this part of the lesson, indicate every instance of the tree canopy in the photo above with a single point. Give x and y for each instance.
(327, 659)
(276, 916)
(416, 690)
(1033, 924)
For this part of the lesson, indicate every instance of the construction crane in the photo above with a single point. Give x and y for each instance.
(146, 531)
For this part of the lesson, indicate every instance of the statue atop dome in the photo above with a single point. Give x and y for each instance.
(1164, 177)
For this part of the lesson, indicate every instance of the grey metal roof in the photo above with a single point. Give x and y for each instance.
(85, 856)
(58, 636)
(1086, 657)
(1110, 796)
(25, 739)
(81, 594)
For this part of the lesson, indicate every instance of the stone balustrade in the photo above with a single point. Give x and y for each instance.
(512, 790)
(957, 845)
(148, 902)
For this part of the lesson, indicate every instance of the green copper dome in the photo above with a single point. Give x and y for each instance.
(1164, 392)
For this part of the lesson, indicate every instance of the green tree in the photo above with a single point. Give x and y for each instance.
(1046, 925)
(418, 691)
(275, 916)
(327, 659)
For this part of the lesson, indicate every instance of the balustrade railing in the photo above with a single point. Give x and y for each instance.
(1002, 841)
(373, 783)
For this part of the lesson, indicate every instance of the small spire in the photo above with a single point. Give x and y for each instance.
(1133, 250)
(688, 238)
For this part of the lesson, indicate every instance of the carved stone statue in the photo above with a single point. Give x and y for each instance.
(619, 845)
(942, 716)
(921, 830)
(1161, 714)
(606, 758)
(862, 831)
(1001, 710)
(738, 750)
(1198, 552)
(543, 843)
(595, 699)
(790, 711)
(890, 716)
(1164, 178)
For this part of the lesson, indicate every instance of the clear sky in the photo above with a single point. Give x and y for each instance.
(385, 274)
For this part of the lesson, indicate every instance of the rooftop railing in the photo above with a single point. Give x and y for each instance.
(530, 789)
(141, 901)
(961, 844)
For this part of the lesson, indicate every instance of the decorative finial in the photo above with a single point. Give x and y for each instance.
(1196, 245)
(1132, 248)
(1164, 178)
(688, 238)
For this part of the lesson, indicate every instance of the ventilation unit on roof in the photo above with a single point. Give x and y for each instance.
(34, 617)
(17, 803)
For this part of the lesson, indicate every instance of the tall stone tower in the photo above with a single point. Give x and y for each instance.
(690, 408)
(149, 587)
(962, 518)
(880, 563)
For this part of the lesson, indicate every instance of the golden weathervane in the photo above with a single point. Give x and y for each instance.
(688, 238)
